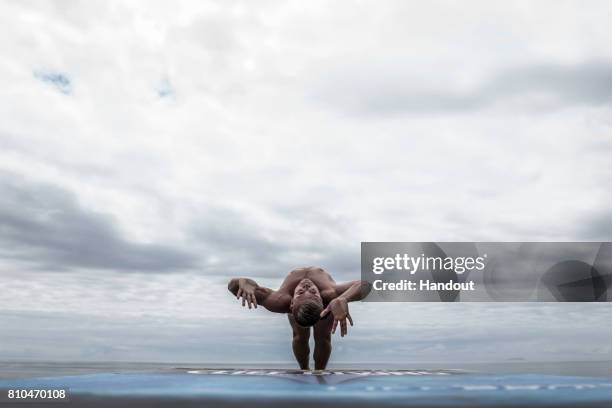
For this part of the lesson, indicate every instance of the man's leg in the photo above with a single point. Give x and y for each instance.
(323, 347)
(301, 349)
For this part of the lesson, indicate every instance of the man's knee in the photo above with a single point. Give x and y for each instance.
(301, 337)
(323, 340)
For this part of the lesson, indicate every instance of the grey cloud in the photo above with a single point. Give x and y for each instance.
(45, 226)
(59, 80)
(333, 245)
(233, 244)
(597, 227)
(242, 246)
(536, 87)
(126, 171)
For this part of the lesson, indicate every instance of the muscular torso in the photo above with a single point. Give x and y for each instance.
(321, 278)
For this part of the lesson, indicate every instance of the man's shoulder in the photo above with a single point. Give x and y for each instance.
(278, 302)
(328, 295)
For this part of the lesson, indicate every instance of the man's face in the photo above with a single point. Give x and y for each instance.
(306, 290)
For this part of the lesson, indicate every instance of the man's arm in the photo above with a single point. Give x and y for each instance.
(338, 307)
(253, 295)
(354, 290)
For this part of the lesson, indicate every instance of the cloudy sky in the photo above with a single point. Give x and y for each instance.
(152, 150)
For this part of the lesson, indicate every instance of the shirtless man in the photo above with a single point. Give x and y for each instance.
(311, 298)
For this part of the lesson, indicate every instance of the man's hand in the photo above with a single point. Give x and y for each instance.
(256, 295)
(246, 290)
(339, 309)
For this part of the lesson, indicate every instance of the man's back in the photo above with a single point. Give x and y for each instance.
(319, 276)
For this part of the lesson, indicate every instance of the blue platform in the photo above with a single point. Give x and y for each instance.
(439, 388)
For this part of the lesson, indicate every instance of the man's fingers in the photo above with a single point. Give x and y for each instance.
(348, 316)
(325, 311)
(342, 327)
(247, 298)
(334, 326)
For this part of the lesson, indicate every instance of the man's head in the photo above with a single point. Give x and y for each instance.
(306, 305)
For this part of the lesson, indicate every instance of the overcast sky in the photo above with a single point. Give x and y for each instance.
(152, 150)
